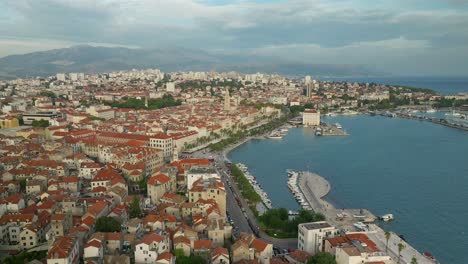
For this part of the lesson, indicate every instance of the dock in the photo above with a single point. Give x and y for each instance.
(314, 188)
(332, 130)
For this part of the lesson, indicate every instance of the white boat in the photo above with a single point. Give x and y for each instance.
(432, 110)
(386, 217)
(275, 136)
(360, 226)
(338, 126)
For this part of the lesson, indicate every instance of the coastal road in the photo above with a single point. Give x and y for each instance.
(378, 236)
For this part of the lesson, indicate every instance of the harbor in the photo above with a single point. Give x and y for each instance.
(326, 129)
(279, 133)
(256, 186)
(358, 169)
(310, 190)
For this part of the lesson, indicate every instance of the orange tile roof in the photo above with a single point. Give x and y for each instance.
(62, 247)
(150, 238)
(159, 179)
(259, 245)
(165, 256)
(202, 244)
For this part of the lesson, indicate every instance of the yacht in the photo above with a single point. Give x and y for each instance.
(275, 136)
(455, 118)
(338, 126)
(386, 217)
(318, 131)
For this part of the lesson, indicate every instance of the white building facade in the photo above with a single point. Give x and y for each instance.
(311, 235)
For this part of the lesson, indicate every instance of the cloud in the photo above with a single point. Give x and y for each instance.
(398, 28)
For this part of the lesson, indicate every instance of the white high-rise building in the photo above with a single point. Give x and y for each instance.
(170, 87)
(307, 79)
(73, 76)
(61, 77)
(311, 235)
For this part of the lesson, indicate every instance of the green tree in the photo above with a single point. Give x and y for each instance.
(309, 106)
(23, 185)
(178, 252)
(322, 258)
(25, 257)
(387, 237)
(40, 123)
(414, 260)
(400, 248)
(135, 210)
(107, 224)
(190, 260)
(276, 221)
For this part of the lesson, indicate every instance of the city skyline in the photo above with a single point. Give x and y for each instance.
(396, 37)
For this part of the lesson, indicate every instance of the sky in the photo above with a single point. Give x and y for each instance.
(400, 37)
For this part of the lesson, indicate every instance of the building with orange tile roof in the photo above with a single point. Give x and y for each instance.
(150, 247)
(158, 185)
(211, 188)
(65, 250)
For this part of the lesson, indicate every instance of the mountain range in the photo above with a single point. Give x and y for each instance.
(90, 59)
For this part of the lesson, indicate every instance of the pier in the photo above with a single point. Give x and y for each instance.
(314, 188)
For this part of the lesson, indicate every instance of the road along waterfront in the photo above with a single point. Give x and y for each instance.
(414, 170)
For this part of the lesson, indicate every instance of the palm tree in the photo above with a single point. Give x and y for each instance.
(387, 237)
(400, 248)
(414, 260)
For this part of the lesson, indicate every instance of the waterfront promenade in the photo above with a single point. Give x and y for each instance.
(377, 235)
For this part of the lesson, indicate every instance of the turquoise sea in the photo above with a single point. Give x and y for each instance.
(416, 170)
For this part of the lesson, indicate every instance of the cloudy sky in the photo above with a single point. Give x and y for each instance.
(406, 37)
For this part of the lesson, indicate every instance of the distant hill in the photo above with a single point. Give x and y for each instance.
(89, 59)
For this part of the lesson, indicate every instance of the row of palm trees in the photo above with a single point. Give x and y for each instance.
(401, 246)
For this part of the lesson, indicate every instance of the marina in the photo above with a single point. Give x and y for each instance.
(453, 119)
(326, 129)
(255, 185)
(279, 133)
(358, 167)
